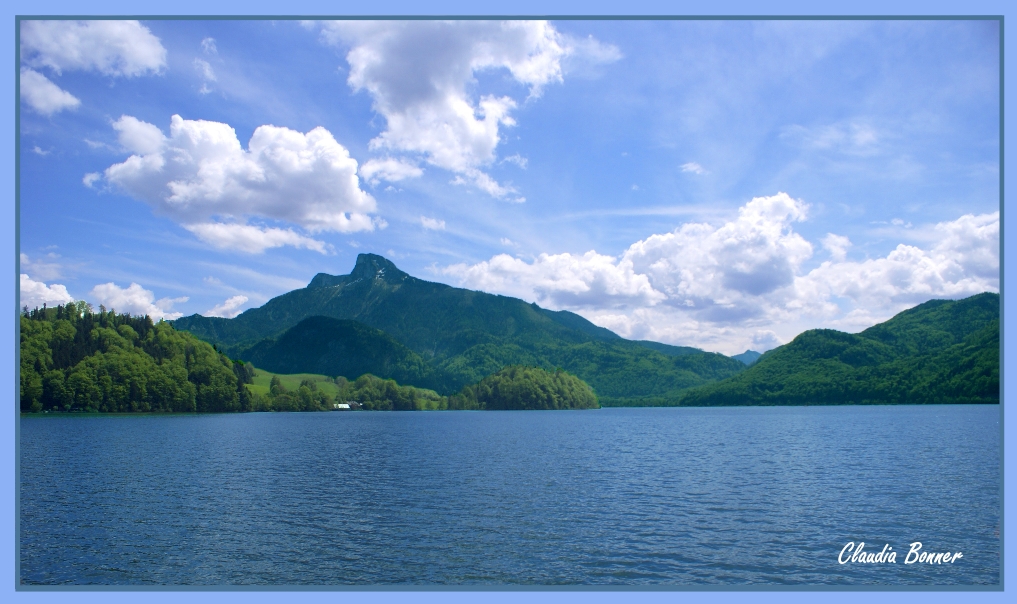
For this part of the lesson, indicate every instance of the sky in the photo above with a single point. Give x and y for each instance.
(719, 184)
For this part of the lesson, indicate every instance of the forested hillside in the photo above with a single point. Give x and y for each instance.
(74, 359)
(461, 336)
(942, 351)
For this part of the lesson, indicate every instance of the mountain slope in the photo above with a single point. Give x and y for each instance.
(337, 347)
(467, 335)
(942, 351)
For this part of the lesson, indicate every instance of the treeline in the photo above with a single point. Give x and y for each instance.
(515, 387)
(76, 359)
(366, 392)
(529, 388)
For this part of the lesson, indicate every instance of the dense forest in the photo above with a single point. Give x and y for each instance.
(75, 359)
(942, 351)
(526, 388)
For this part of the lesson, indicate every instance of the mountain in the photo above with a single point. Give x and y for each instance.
(748, 357)
(942, 351)
(466, 335)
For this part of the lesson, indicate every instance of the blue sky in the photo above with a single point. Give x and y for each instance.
(720, 184)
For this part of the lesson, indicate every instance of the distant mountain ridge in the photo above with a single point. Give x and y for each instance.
(942, 351)
(381, 320)
(466, 335)
(748, 357)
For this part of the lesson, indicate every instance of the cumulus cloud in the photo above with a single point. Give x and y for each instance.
(837, 245)
(562, 280)
(389, 169)
(36, 293)
(253, 239)
(421, 77)
(741, 284)
(135, 300)
(137, 136)
(208, 45)
(112, 48)
(44, 96)
(723, 270)
(432, 224)
(228, 309)
(90, 179)
(964, 261)
(201, 176)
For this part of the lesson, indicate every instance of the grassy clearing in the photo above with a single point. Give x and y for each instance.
(291, 382)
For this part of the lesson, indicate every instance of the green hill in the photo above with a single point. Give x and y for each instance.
(941, 351)
(338, 347)
(75, 360)
(465, 336)
(526, 388)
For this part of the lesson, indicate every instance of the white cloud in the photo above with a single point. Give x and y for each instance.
(113, 48)
(253, 239)
(562, 280)
(837, 245)
(39, 151)
(693, 167)
(389, 169)
(135, 300)
(964, 261)
(582, 55)
(852, 138)
(90, 179)
(36, 293)
(421, 76)
(228, 309)
(518, 160)
(764, 340)
(208, 45)
(41, 269)
(722, 271)
(205, 69)
(432, 223)
(200, 173)
(741, 284)
(137, 136)
(44, 96)
(207, 74)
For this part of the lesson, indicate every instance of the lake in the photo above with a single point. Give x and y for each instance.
(650, 496)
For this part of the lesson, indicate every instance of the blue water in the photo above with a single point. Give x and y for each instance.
(614, 496)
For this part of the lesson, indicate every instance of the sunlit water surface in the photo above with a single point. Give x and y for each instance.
(739, 495)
